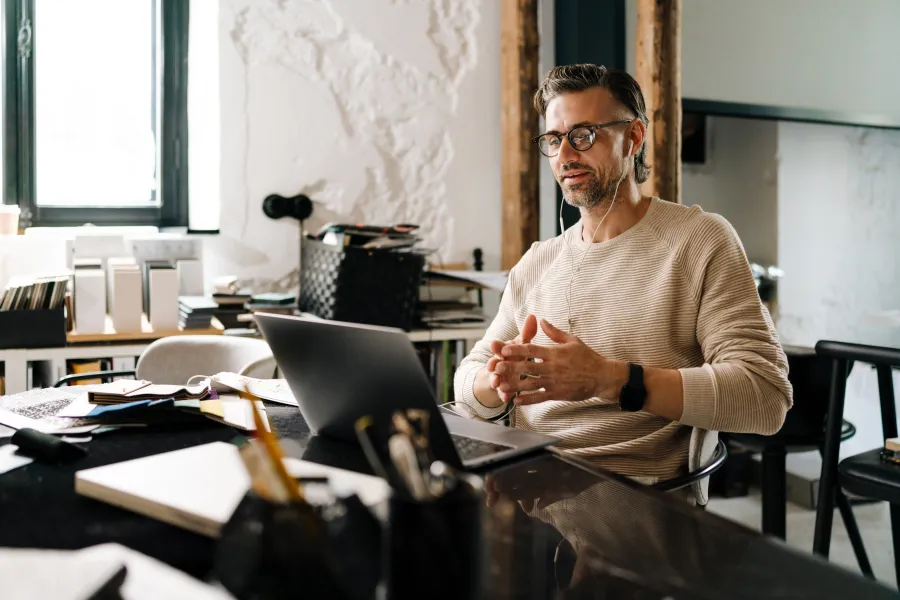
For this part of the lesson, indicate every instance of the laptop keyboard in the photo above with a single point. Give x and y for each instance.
(469, 448)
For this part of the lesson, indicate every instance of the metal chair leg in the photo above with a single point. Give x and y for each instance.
(830, 455)
(895, 534)
(774, 486)
(856, 541)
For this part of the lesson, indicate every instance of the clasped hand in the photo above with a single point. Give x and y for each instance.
(566, 370)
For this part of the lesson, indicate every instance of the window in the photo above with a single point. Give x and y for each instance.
(95, 119)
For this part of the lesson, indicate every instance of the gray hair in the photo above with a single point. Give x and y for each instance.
(576, 78)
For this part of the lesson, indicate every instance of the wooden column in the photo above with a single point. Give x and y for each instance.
(519, 47)
(658, 71)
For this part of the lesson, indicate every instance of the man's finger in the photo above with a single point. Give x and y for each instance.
(520, 368)
(557, 335)
(529, 330)
(525, 351)
(497, 347)
(529, 384)
(491, 365)
(496, 380)
(532, 398)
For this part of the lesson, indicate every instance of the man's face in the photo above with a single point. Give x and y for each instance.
(589, 177)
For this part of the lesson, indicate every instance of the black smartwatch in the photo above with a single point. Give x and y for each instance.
(633, 393)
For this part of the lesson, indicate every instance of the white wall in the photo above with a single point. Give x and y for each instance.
(815, 54)
(383, 111)
(838, 223)
(738, 182)
(548, 217)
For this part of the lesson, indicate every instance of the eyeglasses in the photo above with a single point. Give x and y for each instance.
(581, 138)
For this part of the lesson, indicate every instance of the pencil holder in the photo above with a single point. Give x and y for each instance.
(434, 549)
(269, 551)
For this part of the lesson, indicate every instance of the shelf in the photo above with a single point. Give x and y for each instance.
(147, 333)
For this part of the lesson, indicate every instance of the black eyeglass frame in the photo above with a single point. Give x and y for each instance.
(592, 136)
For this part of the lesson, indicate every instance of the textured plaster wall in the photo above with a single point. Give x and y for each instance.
(383, 111)
(838, 227)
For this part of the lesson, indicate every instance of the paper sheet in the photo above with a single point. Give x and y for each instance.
(235, 411)
(39, 409)
(9, 460)
(273, 390)
(77, 574)
(492, 280)
(6, 432)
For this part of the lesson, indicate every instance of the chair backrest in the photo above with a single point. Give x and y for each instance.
(176, 359)
(810, 377)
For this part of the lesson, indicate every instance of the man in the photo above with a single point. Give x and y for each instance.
(640, 324)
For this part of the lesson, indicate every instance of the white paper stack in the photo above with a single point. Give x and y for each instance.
(190, 277)
(90, 300)
(163, 298)
(125, 295)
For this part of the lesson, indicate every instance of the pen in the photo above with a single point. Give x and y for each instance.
(403, 455)
(368, 440)
(418, 435)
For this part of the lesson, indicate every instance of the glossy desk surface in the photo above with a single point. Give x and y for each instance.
(553, 529)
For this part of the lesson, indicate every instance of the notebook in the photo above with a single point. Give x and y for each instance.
(126, 390)
(198, 488)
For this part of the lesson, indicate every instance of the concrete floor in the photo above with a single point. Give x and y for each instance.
(873, 519)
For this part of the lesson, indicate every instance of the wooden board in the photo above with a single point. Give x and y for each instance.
(658, 71)
(147, 333)
(519, 123)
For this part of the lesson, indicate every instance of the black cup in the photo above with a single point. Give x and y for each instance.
(270, 551)
(434, 548)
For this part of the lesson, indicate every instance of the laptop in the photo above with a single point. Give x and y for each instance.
(339, 372)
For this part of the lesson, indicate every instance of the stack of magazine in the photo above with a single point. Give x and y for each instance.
(35, 292)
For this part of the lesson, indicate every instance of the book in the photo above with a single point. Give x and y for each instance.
(130, 390)
(198, 488)
(491, 280)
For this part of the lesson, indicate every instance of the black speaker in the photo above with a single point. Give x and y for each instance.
(299, 207)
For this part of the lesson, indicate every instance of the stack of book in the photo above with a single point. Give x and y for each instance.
(141, 403)
(35, 293)
(369, 236)
(283, 304)
(446, 299)
(230, 300)
(196, 312)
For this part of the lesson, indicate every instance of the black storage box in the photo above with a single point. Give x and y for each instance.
(357, 285)
(33, 328)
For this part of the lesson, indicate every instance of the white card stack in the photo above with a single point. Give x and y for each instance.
(190, 277)
(163, 298)
(125, 295)
(90, 300)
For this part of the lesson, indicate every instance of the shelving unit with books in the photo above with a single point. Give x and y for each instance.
(24, 368)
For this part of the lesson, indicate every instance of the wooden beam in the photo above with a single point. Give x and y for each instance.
(658, 71)
(519, 48)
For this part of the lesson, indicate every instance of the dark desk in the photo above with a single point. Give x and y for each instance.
(600, 537)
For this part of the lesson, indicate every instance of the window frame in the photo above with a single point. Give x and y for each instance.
(19, 130)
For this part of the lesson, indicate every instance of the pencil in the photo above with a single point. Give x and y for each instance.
(253, 462)
(267, 438)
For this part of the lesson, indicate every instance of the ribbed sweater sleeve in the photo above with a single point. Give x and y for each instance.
(503, 327)
(743, 385)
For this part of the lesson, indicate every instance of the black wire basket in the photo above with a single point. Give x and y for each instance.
(359, 285)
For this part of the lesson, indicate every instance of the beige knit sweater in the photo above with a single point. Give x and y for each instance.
(673, 291)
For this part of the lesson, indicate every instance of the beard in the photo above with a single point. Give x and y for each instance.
(599, 188)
